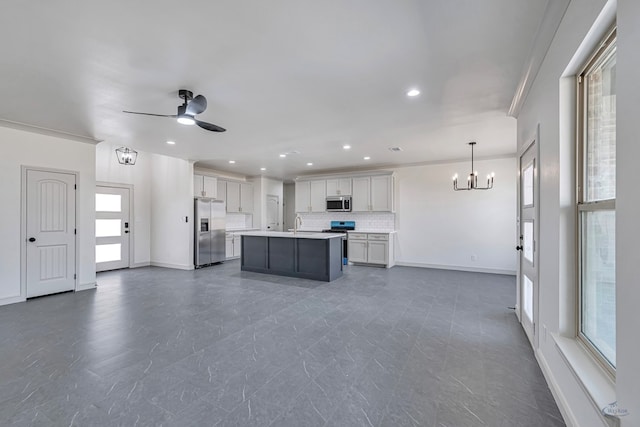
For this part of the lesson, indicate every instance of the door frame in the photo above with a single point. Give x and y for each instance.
(132, 228)
(23, 224)
(534, 139)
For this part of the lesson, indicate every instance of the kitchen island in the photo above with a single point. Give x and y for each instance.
(315, 256)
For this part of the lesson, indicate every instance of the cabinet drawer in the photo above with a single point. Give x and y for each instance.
(357, 236)
(378, 237)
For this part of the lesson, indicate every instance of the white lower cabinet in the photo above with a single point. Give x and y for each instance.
(233, 245)
(371, 248)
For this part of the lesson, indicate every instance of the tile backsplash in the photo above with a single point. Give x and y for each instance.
(239, 220)
(383, 221)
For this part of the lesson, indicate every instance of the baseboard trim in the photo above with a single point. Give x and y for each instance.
(140, 264)
(174, 266)
(86, 286)
(561, 401)
(456, 268)
(11, 300)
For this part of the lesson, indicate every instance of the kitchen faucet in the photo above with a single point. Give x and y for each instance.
(295, 224)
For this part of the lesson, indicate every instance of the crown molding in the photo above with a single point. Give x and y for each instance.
(48, 132)
(553, 13)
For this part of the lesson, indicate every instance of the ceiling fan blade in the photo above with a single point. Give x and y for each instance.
(151, 114)
(197, 105)
(210, 126)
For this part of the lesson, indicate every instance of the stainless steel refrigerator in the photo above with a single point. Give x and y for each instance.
(209, 231)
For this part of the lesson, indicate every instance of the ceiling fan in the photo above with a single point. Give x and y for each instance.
(187, 111)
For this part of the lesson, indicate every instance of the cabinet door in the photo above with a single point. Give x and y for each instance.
(318, 199)
(210, 186)
(333, 187)
(221, 193)
(360, 198)
(233, 197)
(246, 198)
(198, 186)
(381, 192)
(344, 186)
(303, 196)
(237, 245)
(357, 250)
(377, 252)
(229, 246)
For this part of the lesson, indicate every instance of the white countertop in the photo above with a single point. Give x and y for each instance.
(292, 235)
(233, 230)
(373, 231)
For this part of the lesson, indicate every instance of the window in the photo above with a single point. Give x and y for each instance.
(596, 197)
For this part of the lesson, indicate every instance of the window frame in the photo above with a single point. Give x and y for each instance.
(600, 55)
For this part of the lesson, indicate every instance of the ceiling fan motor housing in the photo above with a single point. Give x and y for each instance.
(185, 95)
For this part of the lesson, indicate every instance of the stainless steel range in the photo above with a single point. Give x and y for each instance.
(342, 227)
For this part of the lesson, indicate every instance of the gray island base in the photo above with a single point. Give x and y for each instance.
(315, 256)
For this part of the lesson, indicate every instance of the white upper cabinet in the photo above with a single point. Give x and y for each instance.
(303, 196)
(222, 191)
(381, 193)
(198, 186)
(246, 198)
(373, 194)
(311, 196)
(233, 197)
(239, 197)
(205, 186)
(360, 198)
(318, 199)
(339, 187)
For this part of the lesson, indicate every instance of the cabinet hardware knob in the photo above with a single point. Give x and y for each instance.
(32, 239)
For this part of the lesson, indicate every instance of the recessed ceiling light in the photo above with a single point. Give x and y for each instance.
(283, 155)
(171, 142)
(263, 169)
(309, 164)
(232, 161)
(413, 92)
(367, 158)
(346, 147)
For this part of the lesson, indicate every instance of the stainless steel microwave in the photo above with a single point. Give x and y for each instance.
(339, 204)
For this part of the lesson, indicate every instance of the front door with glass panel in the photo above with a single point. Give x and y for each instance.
(112, 228)
(527, 261)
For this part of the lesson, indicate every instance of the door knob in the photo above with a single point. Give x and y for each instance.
(126, 231)
(32, 239)
(518, 248)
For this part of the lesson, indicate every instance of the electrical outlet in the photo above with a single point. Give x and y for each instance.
(474, 257)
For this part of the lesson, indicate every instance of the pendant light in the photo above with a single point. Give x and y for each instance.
(472, 179)
(126, 156)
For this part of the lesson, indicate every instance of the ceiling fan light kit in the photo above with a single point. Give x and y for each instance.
(190, 108)
(472, 179)
(126, 156)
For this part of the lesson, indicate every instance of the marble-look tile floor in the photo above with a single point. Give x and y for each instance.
(220, 347)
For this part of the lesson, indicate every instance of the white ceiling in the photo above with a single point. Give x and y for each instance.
(280, 76)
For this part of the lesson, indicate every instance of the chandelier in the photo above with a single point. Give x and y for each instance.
(472, 179)
(126, 156)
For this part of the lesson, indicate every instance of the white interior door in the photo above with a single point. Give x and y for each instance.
(113, 228)
(528, 258)
(50, 228)
(273, 207)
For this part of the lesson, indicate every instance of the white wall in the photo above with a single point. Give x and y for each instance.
(551, 104)
(171, 204)
(439, 227)
(32, 149)
(139, 175)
